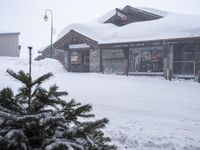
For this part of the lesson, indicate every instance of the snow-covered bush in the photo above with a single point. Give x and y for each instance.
(38, 119)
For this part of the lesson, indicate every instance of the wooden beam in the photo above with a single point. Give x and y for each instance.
(149, 43)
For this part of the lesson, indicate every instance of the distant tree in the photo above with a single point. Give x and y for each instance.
(40, 119)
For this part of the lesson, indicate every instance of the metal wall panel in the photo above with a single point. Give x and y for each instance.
(9, 45)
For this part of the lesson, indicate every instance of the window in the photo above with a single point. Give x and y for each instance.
(146, 60)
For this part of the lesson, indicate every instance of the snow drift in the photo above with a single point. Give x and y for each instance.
(145, 113)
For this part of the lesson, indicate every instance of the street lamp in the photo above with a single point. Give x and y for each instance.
(46, 19)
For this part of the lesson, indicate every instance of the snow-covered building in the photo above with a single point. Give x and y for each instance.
(132, 40)
(9, 44)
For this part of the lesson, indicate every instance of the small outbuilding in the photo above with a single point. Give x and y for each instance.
(9, 44)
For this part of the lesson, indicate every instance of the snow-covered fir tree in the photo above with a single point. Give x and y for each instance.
(41, 119)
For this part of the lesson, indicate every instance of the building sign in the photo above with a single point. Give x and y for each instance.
(75, 58)
(122, 16)
(79, 46)
(139, 44)
(93, 55)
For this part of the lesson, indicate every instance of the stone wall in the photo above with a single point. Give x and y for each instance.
(94, 57)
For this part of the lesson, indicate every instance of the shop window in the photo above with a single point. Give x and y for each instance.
(146, 60)
(185, 59)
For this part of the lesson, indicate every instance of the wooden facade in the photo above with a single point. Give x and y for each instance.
(174, 57)
(180, 57)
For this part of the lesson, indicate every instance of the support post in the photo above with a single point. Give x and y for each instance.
(30, 59)
(127, 59)
(101, 61)
(171, 62)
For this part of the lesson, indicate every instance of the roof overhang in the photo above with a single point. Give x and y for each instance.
(66, 40)
(148, 43)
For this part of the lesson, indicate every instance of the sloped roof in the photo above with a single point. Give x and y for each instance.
(9, 33)
(171, 25)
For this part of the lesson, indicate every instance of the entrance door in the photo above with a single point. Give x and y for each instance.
(79, 60)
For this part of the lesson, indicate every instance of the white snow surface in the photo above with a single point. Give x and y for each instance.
(145, 113)
(172, 25)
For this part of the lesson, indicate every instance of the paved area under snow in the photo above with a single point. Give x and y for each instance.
(145, 113)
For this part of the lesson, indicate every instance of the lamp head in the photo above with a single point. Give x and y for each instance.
(30, 47)
(45, 18)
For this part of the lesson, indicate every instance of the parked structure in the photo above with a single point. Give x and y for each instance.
(9, 44)
(138, 41)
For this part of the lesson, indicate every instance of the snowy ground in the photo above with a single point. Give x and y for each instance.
(145, 113)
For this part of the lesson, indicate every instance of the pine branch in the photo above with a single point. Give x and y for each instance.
(51, 120)
(6, 110)
(89, 127)
(70, 105)
(38, 90)
(21, 76)
(64, 145)
(7, 116)
(7, 100)
(53, 92)
(6, 93)
(42, 79)
(28, 118)
(79, 112)
(23, 93)
(16, 138)
(47, 112)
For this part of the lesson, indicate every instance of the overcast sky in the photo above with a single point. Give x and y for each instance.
(26, 16)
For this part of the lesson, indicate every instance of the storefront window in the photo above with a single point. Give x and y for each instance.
(186, 59)
(113, 61)
(146, 60)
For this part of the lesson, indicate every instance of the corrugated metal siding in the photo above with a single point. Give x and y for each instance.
(9, 45)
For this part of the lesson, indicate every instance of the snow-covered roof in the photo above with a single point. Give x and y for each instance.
(8, 33)
(42, 49)
(171, 25)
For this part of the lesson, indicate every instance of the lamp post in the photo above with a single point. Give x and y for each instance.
(46, 19)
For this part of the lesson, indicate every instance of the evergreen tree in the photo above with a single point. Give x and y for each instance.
(40, 119)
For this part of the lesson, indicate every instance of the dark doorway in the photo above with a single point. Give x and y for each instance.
(79, 60)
